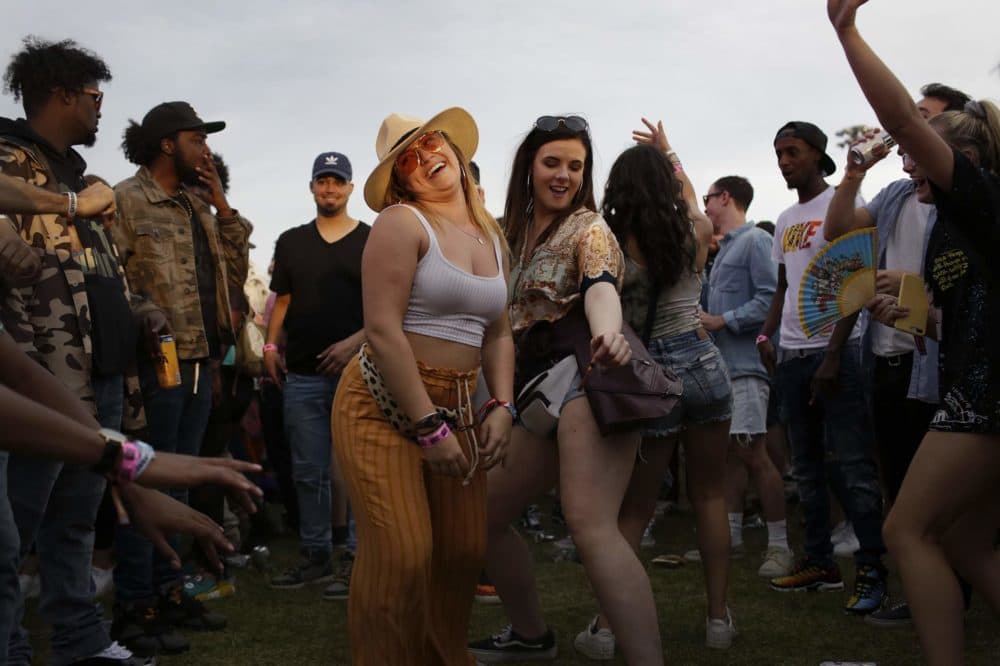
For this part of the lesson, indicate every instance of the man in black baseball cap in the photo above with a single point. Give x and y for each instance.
(169, 117)
(182, 257)
(811, 135)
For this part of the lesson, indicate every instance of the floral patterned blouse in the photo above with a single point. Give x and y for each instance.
(580, 253)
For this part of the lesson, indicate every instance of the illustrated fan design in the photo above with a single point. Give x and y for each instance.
(839, 281)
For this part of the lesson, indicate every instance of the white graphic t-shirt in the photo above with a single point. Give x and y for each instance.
(798, 237)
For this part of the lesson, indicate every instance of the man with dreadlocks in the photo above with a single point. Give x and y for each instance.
(184, 260)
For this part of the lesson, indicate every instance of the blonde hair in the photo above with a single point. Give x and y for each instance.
(975, 127)
(481, 218)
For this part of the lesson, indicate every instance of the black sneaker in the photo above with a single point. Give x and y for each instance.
(891, 616)
(509, 646)
(140, 627)
(180, 610)
(308, 571)
(339, 589)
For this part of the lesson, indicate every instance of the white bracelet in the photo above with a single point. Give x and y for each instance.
(71, 211)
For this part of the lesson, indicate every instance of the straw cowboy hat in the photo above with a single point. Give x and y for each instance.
(395, 134)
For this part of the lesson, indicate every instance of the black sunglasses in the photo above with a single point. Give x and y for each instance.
(552, 123)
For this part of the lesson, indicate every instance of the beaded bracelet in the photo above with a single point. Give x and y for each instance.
(432, 440)
(492, 404)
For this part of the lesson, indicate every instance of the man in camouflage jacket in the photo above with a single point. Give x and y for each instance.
(182, 259)
(51, 318)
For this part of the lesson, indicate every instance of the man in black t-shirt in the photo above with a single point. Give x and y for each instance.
(317, 279)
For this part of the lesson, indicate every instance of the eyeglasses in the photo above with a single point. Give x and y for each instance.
(552, 123)
(409, 159)
(705, 199)
(96, 94)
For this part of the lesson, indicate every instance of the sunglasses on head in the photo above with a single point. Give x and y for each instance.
(408, 160)
(552, 123)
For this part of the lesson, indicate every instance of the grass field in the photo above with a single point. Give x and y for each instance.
(271, 627)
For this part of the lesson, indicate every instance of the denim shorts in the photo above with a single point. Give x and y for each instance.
(707, 397)
(750, 402)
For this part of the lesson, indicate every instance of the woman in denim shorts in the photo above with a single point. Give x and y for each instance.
(650, 205)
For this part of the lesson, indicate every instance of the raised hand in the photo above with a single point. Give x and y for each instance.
(655, 136)
(842, 12)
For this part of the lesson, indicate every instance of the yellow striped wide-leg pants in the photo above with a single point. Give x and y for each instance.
(421, 536)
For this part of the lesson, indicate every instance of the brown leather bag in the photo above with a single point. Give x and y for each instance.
(628, 397)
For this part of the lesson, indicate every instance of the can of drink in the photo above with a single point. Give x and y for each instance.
(168, 368)
(864, 154)
(261, 558)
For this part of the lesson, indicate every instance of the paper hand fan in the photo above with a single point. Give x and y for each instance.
(839, 281)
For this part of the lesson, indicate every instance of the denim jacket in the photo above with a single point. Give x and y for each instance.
(741, 285)
(885, 209)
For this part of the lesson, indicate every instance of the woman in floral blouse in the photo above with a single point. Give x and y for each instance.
(564, 257)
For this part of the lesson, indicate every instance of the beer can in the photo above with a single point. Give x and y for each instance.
(168, 368)
(864, 154)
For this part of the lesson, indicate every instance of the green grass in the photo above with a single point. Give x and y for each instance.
(296, 627)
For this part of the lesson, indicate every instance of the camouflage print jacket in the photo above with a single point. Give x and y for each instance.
(154, 237)
(50, 319)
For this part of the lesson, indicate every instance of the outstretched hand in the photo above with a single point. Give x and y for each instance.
(159, 516)
(842, 12)
(171, 470)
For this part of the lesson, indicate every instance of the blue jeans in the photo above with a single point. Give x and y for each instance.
(55, 506)
(176, 418)
(708, 395)
(10, 591)
(833, 443)
(308, 402)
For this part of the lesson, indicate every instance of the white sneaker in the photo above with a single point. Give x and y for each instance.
(31, 585)
(719, 633)
(778, 562)
(594, 643)
(115, 651)
(104, 580)
(845, 542)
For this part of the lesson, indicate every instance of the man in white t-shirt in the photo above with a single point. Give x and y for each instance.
(821, 390)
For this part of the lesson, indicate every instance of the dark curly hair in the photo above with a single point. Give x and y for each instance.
(516, 216)
(642, 198)
(41, 68)
(139, 149)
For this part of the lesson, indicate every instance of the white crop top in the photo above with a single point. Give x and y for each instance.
(449, 303)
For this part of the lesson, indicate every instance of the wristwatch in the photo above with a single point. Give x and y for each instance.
(113, 442)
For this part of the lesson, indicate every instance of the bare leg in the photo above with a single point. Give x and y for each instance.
(706, 473)
(951, 476)
(530, 470)
(736, 478)
(777, 448)
(594, 474)
(969, 547)
(765, 478)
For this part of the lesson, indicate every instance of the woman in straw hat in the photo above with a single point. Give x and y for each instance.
(413, 451)
(566, 260)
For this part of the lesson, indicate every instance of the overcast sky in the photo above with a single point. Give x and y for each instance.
(297, 78)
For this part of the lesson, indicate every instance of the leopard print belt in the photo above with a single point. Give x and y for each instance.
(462, 421)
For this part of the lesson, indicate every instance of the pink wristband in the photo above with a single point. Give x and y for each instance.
(128, 466)
(761, 338)
(431, 440)
(270, 346)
